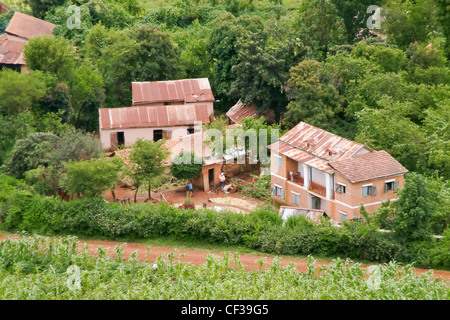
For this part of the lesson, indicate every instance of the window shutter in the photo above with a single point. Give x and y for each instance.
(282, 193)
(385, 187)
(273, 190)
(395, 185)
(373, 190)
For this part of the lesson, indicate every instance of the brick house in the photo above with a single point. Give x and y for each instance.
(313, 168)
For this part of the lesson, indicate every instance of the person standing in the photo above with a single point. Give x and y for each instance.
(222, 180)
(190, 189)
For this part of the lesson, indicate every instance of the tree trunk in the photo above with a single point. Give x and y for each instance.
(113, 195)
(135, 195)
(149, 192)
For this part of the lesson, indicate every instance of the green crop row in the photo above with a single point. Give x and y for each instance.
(43, 268)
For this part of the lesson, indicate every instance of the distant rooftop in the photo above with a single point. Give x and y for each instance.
(27, 27)
(186, 91)
(153, 116)
(11, 50)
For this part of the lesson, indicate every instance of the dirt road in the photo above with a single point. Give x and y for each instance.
(196, 257)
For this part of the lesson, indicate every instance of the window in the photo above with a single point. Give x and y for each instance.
(343, 216)
(278, 161)
(390, 186)
(340, 188)
(315, 203)
(369, 190)
(277, 191)
(295, 198)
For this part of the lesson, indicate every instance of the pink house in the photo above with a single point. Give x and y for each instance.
(315, 169)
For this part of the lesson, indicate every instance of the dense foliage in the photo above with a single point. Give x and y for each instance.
(22, 209)
(44, 268)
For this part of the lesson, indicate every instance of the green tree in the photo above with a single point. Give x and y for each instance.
(188, 170)
(140, 54)
(20, 91)
(224, 49)
(414, 209)
(389, 129)
(147, 163)
(409, 21)
(87, 95)
(312, 98)
(50, 150)
(92, 177)
(320, 26)
(40, 7)
(262, 71)
(54, 55)
(354, 15)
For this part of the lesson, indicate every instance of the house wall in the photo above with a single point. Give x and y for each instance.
(132, 134)
(348, 203)
(202, 181)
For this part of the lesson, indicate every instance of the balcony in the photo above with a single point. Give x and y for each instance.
(296, 178)
(318, 188)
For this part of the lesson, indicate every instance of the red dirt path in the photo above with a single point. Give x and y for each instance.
(198, 256)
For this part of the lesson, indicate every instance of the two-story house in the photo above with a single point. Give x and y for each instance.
(313, 168)
(160, 110)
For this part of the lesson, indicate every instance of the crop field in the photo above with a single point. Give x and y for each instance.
(41, 268)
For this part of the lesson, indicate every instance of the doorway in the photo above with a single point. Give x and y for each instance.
(157, 135)
(211, 177)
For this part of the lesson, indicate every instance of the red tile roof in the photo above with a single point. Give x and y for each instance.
(187, 90)
(240, 111)
(11, 50)
(368, 166)
(27, 27)
(156, 116)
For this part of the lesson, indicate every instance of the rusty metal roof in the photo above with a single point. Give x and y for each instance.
(321, 143)
(368, 166)
(301, 156)
(187, 90)
(240, 111)
(27, 27)
(155, 116)
(316, 147)
(11, 50)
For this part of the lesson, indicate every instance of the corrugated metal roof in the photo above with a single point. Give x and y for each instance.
(155, 116)
(368, 166)
(11, 50)
(321, 143)
(240, 111)
(316, 147)
(27, 27)
(301, 156)
(186, 90)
